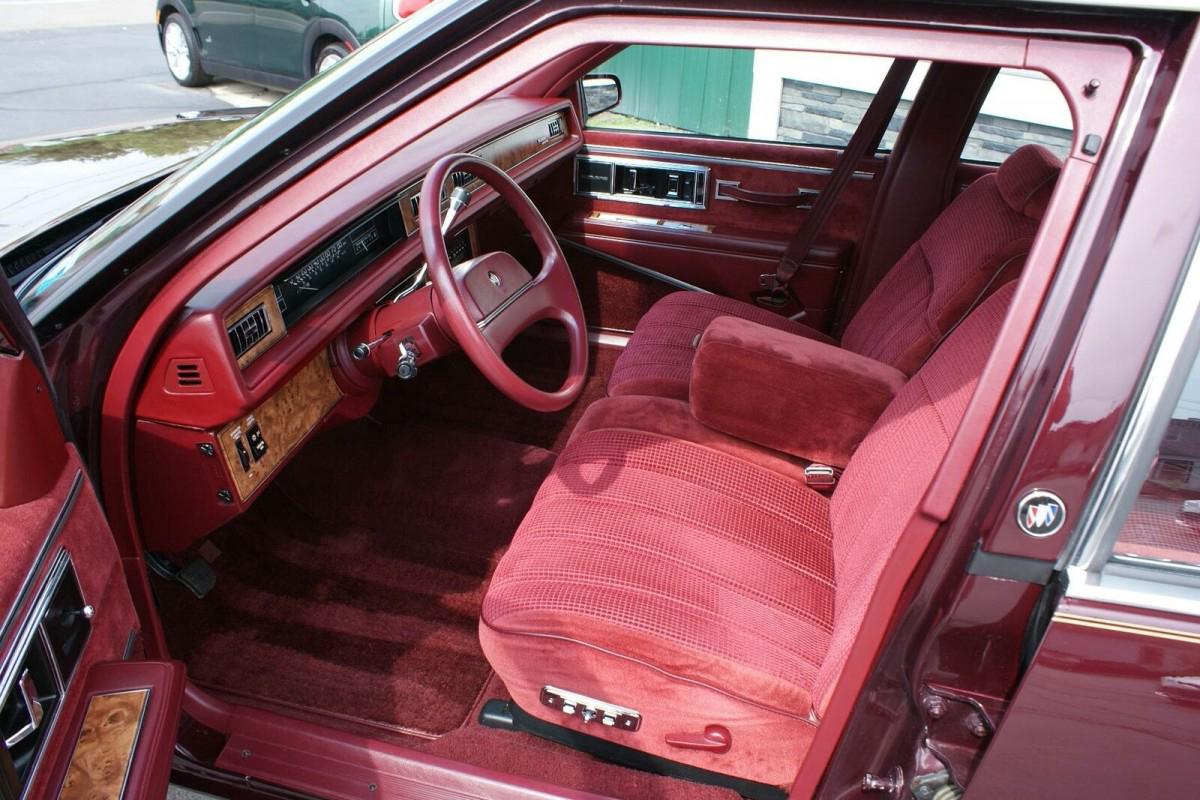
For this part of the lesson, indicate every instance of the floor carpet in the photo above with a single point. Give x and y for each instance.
(352, 587)
(453, 391)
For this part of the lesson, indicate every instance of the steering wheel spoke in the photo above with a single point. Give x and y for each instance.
(488, 301)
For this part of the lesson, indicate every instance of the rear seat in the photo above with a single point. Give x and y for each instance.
(977, 244)
(693, 578)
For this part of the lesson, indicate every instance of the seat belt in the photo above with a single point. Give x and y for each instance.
(777, 287)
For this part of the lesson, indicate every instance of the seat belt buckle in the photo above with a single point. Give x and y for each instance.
(820, 477)
(774, 294)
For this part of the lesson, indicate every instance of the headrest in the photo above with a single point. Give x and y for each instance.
(1026, 179)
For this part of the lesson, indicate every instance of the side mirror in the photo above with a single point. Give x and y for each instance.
(600, 93)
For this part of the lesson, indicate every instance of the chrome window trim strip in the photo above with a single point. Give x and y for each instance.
(1094, 574)
(1122, 481)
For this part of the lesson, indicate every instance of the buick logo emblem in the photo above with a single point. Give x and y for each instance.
(494, 278)
(1041, 513)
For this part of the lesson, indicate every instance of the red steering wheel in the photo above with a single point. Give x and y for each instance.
(486, 302)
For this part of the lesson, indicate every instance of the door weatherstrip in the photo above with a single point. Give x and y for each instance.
(658, 276)
(47, 545)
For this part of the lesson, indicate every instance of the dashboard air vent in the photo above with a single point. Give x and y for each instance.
(248, 331)
(188, 376)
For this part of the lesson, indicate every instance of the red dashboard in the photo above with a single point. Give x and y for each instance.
(260, 357)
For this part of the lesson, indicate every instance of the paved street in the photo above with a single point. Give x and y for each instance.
(73, 65)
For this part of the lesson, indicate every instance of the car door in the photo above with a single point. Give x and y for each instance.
(282, 26)
(80, 713)
(226, 32)
(704, 170)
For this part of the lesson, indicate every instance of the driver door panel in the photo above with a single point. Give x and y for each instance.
(67, 607)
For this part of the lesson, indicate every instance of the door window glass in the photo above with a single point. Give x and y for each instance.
(767, 95)
(1023, 107)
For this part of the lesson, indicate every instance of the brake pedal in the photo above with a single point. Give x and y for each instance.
(196, 574)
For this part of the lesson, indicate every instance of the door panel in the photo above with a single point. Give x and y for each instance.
(66, 604)
(728, 244)
(281, 28)
(226, 31)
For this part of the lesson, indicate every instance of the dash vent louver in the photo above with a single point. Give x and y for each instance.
(248, 331)
(188, 376)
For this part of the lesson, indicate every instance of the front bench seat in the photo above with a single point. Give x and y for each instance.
(700, 582)
(978, 242)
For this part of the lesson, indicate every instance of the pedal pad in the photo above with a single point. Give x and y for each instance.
(197, 576)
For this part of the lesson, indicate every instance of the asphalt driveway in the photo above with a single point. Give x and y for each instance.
(77, 65)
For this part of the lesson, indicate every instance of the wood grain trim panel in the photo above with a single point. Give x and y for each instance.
(285, 419)
(265, 298)
(509, 151)
(104, 750)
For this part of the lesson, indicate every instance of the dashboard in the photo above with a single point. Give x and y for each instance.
(253, 368)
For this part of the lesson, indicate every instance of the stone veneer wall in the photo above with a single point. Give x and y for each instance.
(812, 113)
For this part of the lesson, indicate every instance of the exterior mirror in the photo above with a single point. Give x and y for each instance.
(600, 93)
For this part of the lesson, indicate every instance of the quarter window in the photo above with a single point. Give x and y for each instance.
(1023, 107)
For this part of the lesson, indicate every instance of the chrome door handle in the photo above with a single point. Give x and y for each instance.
(32, 705)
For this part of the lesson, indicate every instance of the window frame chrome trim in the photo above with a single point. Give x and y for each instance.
(1092, 573)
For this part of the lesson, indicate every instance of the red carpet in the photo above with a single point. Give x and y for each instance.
(353, 586)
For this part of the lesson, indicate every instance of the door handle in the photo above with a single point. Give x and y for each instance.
(32, 705)
(732, 190)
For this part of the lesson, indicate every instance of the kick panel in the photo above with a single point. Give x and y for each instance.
(254, 445)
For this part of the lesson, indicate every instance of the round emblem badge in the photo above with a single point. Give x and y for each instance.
(1041, 513)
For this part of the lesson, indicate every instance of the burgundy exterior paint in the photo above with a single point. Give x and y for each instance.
(1108, 710)
(937, 613)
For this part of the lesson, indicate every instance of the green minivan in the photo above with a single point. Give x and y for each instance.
(275, 43)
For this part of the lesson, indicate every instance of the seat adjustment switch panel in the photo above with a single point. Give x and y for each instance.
(590, 710)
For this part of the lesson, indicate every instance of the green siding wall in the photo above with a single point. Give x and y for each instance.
(694, 88)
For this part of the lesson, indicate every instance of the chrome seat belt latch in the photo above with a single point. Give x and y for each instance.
(820, 476)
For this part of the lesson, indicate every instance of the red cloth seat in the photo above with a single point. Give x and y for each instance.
(986, 232)
(692, 577)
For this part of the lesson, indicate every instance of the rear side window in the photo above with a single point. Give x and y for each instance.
(1023, 107)
(764, 95)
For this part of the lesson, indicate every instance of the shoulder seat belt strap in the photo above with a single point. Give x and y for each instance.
(777, 288)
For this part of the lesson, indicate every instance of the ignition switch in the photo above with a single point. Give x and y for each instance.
(406, 366)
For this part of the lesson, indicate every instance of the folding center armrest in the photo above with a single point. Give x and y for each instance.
(799, 396)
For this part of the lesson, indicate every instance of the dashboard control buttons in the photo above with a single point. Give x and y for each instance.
(242, 455)
(258, 444)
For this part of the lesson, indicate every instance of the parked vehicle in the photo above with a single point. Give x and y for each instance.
(639, 400)
(276, 44)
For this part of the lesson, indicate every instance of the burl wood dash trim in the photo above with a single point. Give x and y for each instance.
(509, 151)
(104, 750)
(285, 419)
(266, 299)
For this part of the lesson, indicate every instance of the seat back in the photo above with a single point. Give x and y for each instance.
(977, 244)
(891, 471)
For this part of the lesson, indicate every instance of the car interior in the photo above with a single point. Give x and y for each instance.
(579, 424)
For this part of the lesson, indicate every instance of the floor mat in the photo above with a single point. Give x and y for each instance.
(352, 587)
